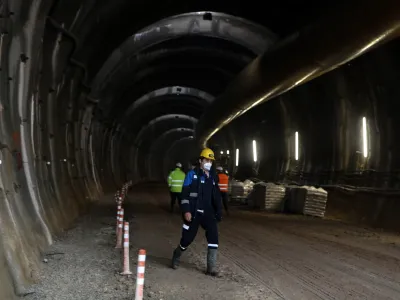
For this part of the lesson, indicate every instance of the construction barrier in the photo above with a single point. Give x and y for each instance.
(140, 274)
(119, 233)
(119, 207)
(126, 270)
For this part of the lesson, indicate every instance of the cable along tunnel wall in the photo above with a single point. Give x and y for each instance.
(47, 176)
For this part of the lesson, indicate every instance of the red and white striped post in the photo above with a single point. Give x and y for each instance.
(119, 233)
(140, 274)
(118, 214)
(123, 192)
(127, 270)
(116, 196)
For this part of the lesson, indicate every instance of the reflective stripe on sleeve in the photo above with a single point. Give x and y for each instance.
(193, 194)
(185, 202)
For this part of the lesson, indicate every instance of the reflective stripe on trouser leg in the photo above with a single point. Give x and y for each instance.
(189, 232)
(211, 227)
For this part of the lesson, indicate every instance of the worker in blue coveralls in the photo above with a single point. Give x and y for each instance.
(201, 206)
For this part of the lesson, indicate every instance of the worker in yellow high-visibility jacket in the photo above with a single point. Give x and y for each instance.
(175, 183)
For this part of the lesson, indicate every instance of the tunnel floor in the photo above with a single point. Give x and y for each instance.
(262, 256)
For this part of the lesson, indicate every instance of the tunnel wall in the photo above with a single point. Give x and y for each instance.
(379, 210)
(47, 171)
(327, 114)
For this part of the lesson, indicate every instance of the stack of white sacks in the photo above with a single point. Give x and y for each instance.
(315, 204)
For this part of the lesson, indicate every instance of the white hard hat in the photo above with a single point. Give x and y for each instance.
(220, 169)
(179, 165)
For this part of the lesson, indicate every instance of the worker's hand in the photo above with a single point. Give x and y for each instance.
(218, 217)
(188, 217)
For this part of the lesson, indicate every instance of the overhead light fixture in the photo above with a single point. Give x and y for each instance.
(237, 157)
(296, 154)
(254, 150)
(222, 152)
(365, 139)
(227, 152)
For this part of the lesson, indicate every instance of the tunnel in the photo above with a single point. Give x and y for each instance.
(98, 94)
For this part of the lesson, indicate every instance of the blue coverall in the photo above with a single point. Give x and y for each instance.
(201, 197)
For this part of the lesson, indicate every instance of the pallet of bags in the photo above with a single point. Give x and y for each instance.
(274, 197)
(295, 201)
(256, 198)
(315, 202)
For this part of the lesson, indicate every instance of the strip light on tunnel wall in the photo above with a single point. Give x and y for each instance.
(227, 152)
(296, 153)
(254, 150)
(365, 139)
(237, 157)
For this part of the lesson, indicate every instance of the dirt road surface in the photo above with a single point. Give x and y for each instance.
(262, 256)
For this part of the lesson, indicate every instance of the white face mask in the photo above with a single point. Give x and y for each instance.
(207, 166)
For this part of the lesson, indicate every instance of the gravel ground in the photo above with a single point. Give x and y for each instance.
(262, 256)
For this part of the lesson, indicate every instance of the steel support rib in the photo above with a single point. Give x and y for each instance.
(336, 39)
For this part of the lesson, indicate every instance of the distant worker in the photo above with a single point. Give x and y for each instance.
(175, 183)
(223, 181)
(201, 206)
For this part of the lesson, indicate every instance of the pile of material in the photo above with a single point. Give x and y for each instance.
(267, 196)
(248, 187)
(306, 200)
(315, 203)
(236, 188)
(274, 197)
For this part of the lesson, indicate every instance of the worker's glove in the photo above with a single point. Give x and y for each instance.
(218, 217)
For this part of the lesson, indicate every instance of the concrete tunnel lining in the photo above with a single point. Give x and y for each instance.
(169, 67)
(267, 68)
(46, 102)
(223, 26)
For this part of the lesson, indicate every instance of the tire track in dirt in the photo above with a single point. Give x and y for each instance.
(294, 261)
(281, 269)
(348, 254)
(337, 265)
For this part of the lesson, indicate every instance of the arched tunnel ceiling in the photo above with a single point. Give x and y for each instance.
(153, 98)
(189, 46)
(240, 31)
(161, 106)
(171, 49)
(161, 124)
(208, 68)
(168, 137)
(95, 23)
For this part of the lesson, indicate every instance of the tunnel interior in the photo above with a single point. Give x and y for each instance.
(96, 93)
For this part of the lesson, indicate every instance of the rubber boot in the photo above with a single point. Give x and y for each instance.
(212, 262)
(176, 257)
